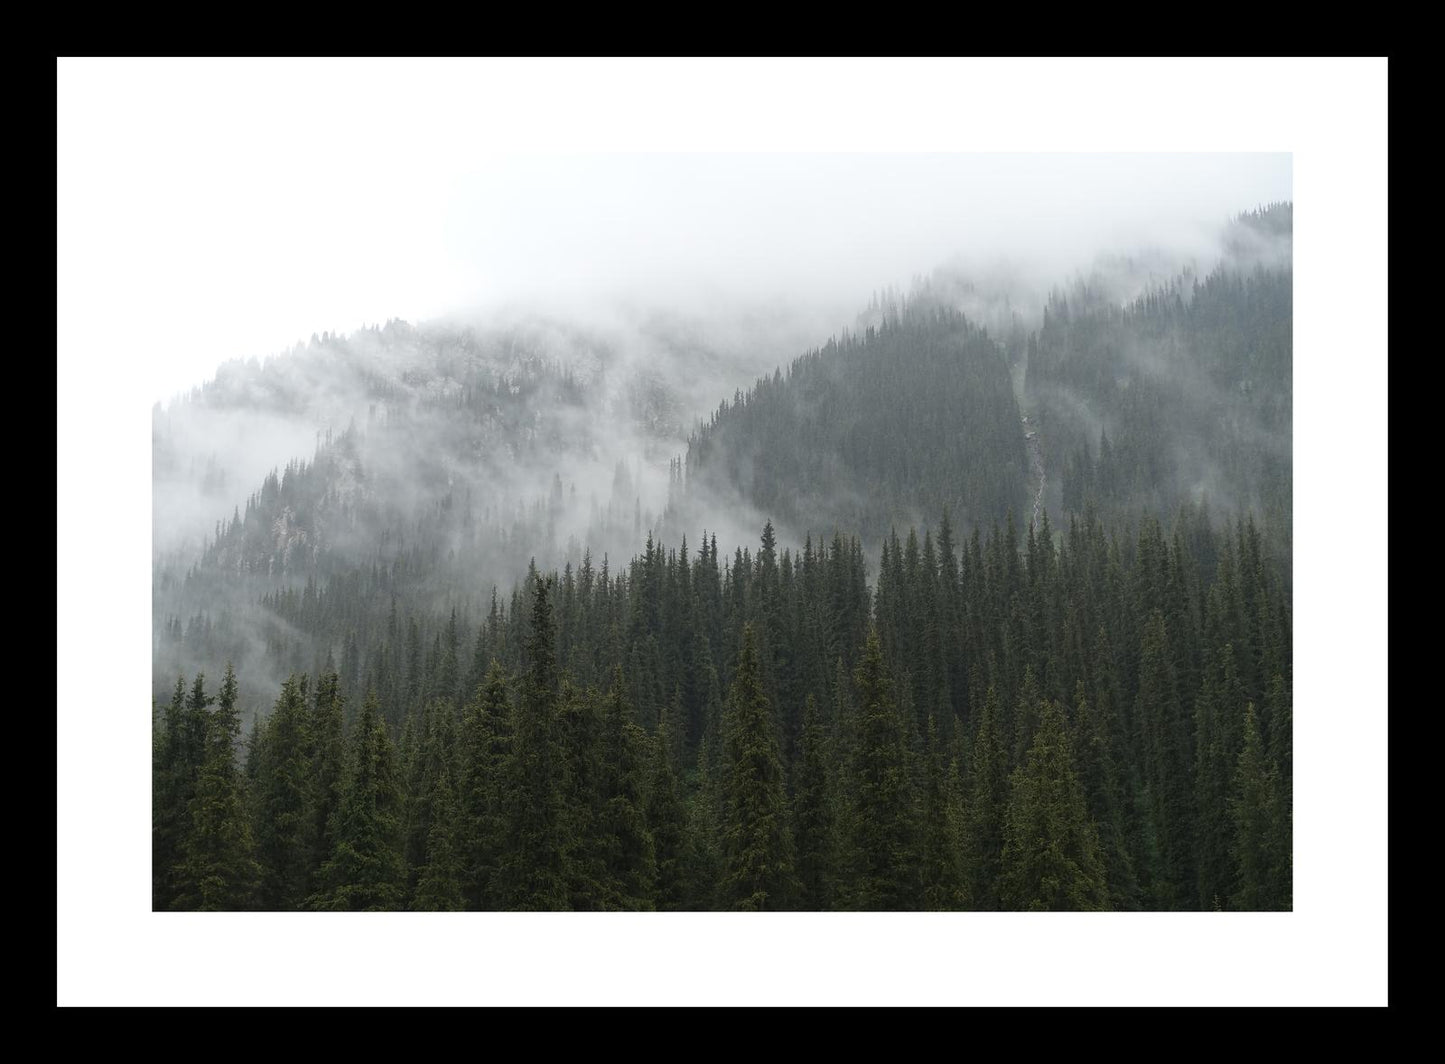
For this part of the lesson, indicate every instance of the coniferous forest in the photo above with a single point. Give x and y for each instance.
(962, 610)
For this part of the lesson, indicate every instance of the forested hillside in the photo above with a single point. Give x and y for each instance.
(1101, 725)
(914, 416)
(442, 460)
(944, 618)
(1182, 394)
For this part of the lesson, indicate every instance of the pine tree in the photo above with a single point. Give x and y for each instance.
(707, 807)
(439, 886)
(328, 766)
(1100, 777)
(485, 745)
(813, 815)
(883, 852)
(986, 808)
(1212, 776)
(1281, 731)
(1261, 837)
(427, 757)
(366, 871)
(218, 869)
(667, 823)
(1167, 773)
(758, 852)
(533, 871)
(1051, 855)
(628, 852)
(175, 765)
(283, 799)
(942, 871)
(585, 843)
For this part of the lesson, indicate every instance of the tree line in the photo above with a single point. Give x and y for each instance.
(1087, 719)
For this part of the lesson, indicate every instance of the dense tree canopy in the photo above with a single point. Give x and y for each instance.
(1072, 689)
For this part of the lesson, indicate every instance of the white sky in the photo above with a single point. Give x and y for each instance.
(223, 208)
(174, 177)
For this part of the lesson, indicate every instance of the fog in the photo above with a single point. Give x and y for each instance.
(227, 210)
(809, 236)
(828, 229)
(364, 289)
(696, 272)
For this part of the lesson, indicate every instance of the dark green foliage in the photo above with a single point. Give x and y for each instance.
(486, 735)
(282, 800)
(1166, 768)
(667, 824)
(555, 806)
(1261, 850)
(559, 789)
(1051, 855)
(627, 844)
(177, 750)
(813, 818)
(218, 869)
(366, 870)
(757, 842)
(1213, 773)
(439, 887)
(427, 751)
(1153, 637)
(328, 766)
(986, 808)
(585, 845)
(1100, 776)
(533, 868)
(1280, 715)
(941, 826)
(883, 848)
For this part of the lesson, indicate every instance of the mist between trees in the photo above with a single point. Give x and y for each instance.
(986, 715)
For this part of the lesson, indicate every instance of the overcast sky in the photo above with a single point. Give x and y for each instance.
(210, 210)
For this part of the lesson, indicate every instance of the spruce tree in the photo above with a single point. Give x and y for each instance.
(173, 770)
(883, 852)
(667, 823)
(941, 848)
(628, 852)
(1212, 776)
(1261, 835)
(283, 799)
(757, 843)
(218, 869)
(366, 871)
(1051, 855)
(813, 818)
(328, 766)
(986, 809)
(585, 843)
(533, 872)
(1101, 779)
(439, 885)
(1167, 773)
(428, 758)
(484, 755)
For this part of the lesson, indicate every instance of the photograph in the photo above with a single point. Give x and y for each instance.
(658, 527)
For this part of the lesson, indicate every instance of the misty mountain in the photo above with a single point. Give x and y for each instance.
(452, 459)
(519, 563)
(1181, 394)
(1145, 387)
(448, 455)
(914, 417)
